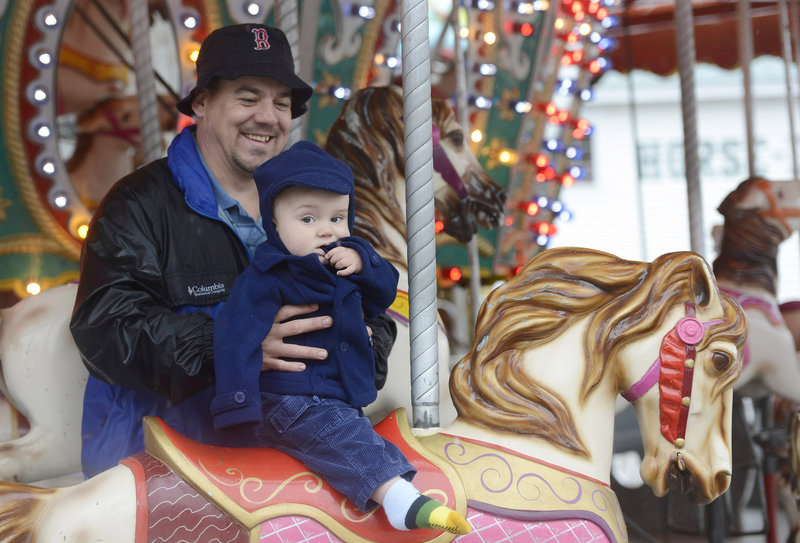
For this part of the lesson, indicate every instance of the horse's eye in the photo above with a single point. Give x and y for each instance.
(721, 360)
(456, 138)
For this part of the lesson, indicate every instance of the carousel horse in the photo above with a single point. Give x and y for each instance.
(528, 456)
(108, 146)
(759, 215)
(90, 67)
(786, 416)
(465, 198)
(36, 349)
(96, 87)
(42, 374)
(43, 378)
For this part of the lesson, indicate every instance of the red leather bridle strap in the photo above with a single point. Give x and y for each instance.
(673, 370)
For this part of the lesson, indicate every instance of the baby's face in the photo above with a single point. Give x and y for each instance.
(308, 219)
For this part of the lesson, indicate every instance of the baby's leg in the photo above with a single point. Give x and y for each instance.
(339, 444)
(335, 441)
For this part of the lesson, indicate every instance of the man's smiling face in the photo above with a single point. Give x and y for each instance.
(242, 123)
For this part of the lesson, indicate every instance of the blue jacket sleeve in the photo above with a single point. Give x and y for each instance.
(377, 280)
(239, 328)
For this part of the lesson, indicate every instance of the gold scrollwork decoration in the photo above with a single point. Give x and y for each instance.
(249, 486)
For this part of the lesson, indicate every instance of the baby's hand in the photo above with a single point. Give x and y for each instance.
(345, 260)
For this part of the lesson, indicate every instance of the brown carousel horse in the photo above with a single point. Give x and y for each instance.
(465, 197)
(528, 457)
(759, 215)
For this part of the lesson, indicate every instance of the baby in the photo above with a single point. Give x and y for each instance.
(315, 415)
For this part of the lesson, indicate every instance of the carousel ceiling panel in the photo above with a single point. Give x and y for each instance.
(646, 34)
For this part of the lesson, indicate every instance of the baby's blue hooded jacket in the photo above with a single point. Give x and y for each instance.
(276, 278)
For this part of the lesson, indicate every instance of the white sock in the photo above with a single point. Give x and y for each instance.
(397, 502)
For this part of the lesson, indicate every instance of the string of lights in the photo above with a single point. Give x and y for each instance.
(550, 159)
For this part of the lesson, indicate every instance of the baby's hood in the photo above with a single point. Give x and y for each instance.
(303, 164)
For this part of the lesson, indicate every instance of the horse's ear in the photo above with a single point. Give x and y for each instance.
(738, 198)
(730, 201)
(703, 281)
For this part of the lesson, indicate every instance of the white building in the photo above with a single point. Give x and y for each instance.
(641, 214)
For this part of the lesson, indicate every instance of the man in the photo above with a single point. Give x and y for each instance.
(167, 243)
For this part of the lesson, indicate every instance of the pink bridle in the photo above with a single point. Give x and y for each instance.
(443, 165)
(130, 135)
(673, 370)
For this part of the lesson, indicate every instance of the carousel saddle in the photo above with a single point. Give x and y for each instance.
(252, 485)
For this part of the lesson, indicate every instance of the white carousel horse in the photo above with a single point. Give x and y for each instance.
(368, 136)
(43, 373)
(759, 215)
(96, 87)
(43, 378)
(108, 146)
(89, 67)
(529, 454)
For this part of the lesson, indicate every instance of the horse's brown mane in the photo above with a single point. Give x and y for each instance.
(749, 249)
(19, 506)
(626, 301)
(365, 137)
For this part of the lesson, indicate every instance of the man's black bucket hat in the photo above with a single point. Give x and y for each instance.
(235, 51)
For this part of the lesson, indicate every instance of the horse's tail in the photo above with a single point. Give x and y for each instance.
(20, 505)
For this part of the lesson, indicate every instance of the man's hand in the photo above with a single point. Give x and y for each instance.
(274, 349)
(345, 260)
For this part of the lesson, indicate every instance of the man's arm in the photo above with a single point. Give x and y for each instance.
(384, 333)
(125, 332)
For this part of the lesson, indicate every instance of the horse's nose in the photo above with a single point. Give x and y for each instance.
(680, 478)
(722, 480)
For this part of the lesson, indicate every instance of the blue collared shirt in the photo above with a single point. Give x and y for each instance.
(231, 211)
